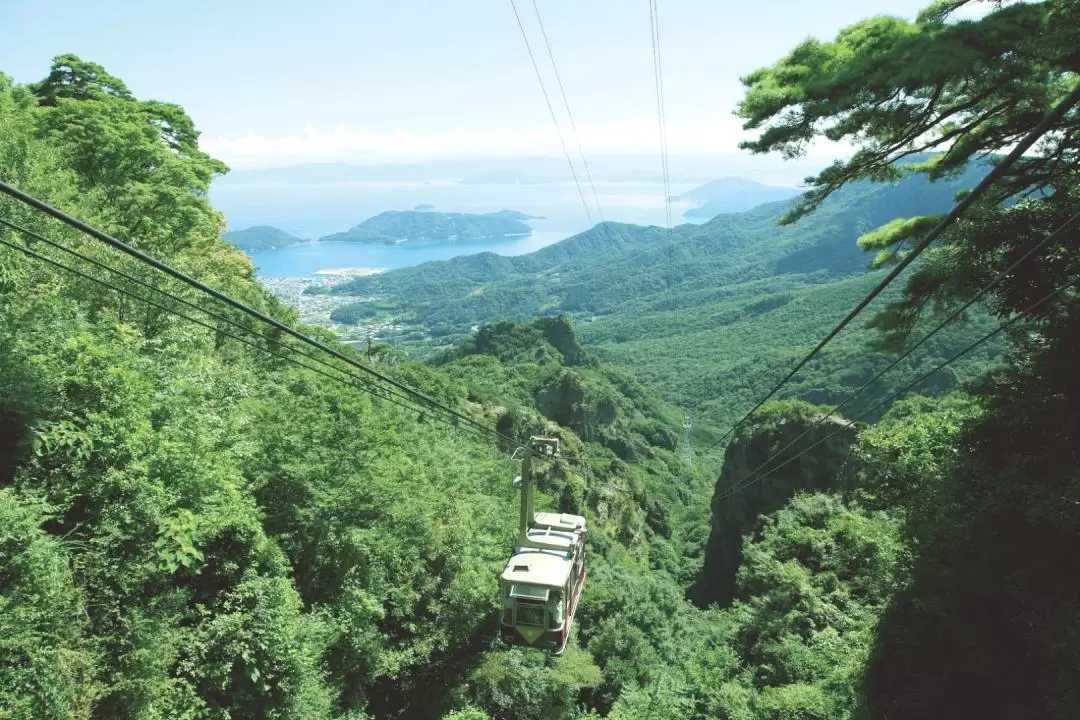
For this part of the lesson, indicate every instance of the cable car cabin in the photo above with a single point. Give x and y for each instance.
(542, 582)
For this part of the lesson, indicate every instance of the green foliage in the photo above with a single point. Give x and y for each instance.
(191, 528)
(354, 313)
(898, 89)
(757, 478)
(404, 226)
(175, 543)
(812, 585)
(711, 319)
(987, 486)
(46, 659)
(212, 570)
(990, 525)
(906, 454)
(467, 714)
(660, 700)
(529, 686)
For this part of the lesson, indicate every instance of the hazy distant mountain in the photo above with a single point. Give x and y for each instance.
(731, 195)
(696, 168)
(391, 228)
(513, 215)
(260, 237)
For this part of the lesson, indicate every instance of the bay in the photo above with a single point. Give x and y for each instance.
(319, 209)
(305, 259)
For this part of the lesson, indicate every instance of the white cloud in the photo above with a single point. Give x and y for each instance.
(349, 144)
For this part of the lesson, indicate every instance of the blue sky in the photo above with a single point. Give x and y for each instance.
(272, 82)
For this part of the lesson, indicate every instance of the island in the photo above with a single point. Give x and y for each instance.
(396, 227)
(513, 215)
(260, 237)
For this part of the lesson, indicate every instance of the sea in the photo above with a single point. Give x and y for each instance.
(315, 210)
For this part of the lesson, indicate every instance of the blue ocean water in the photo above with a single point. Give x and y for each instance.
(307, 258)
(316, 210)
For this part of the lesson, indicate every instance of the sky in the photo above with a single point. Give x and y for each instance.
(273, 83)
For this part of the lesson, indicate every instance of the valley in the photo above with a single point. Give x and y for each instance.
(709, 319)
(249, 475)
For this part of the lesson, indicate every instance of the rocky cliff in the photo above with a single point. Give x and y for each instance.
(739, 499)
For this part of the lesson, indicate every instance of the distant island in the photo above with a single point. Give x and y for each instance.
(513, 215)
(424, 208)
(260, 237)
(395, 227)
(732, 195)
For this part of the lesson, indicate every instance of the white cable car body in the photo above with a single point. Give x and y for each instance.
(542, 582)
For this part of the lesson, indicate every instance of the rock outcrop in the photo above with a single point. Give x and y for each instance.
(740, 499)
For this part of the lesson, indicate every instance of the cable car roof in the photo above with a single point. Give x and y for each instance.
(531, 566)
(559, 521)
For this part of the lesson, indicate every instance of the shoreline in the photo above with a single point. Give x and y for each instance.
(349, 272)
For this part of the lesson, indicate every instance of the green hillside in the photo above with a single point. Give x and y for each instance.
(712, 319)
(200, 521)
(260, 237)
(198, 528)
(394, 227)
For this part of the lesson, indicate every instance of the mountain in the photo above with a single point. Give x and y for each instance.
(732, 195)
(260, 237)
(207, 521)
(695, 168)
(712, 318)
(395, 227)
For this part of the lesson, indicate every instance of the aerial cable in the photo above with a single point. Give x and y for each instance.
(566, 104)
(661, 113)
(176, 298)
(893, 396)
(124, 247)
(344, 378)
(1050, 237)
(551, 110)
(993, 176)
(366, 386)
(236, 304)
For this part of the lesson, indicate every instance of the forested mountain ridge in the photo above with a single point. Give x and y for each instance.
(396, 226)
(710, 318)
(736, 245)
(195, 528)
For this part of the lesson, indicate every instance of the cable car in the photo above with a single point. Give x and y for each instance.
(541, 584)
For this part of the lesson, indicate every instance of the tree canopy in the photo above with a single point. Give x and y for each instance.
(193, 528)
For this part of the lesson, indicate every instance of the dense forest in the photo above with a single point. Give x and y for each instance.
(739, 297)
(194, 527)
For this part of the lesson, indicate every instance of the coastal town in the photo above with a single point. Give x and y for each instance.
(311, 296)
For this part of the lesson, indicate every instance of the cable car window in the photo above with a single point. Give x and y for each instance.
(529, 591)
(530, 614)
(556, 609)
